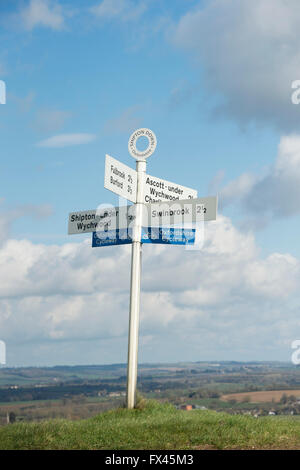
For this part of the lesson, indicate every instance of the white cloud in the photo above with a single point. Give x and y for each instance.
(67, 140)
(277, 270)
(9, 215)
(212, 303)
(237, 189)
(249, 52)
(46, 13)
(277, 193)
(109, 8)
(123, 10)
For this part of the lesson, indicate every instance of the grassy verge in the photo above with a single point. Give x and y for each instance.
(155, 426)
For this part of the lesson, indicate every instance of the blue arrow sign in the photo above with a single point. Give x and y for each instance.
(171, 236)
(162, 235)
(111, 237)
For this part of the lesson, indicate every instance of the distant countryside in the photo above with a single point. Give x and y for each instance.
(79, 392)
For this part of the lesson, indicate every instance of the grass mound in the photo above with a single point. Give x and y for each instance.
(153, 425)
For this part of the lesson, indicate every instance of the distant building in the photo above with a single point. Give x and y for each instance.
(186, 407)
(117, 394)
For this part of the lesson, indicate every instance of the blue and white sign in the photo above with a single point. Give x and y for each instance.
(112, 237)
(170, 236)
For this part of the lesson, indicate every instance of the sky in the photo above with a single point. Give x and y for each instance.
(216, 81)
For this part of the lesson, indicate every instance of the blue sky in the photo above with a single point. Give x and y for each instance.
(213, 80)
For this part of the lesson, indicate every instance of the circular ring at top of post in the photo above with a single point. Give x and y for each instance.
(142, 154)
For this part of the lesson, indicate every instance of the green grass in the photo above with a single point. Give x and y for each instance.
(155, 426)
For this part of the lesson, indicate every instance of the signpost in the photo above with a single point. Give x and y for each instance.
(120, 179)
(112, 237)
(82, 222)
(169, 236)
(158, 204)
(152, 215)
(156, 190)
(165, 235)
(179, 212)
(101, 219)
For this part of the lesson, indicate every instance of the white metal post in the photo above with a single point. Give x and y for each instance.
(135, 286)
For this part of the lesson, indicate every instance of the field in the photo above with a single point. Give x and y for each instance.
(260, 397)
(234, 406)
(155, 426)
(76, 408)
(34, 394)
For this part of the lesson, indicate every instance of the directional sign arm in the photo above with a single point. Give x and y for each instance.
(120, 178)
(158, 190)
(180, 212)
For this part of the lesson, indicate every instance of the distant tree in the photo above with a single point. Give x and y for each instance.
(284, 399)
(11, 417)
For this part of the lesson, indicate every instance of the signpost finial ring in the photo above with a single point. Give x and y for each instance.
(142, 154)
